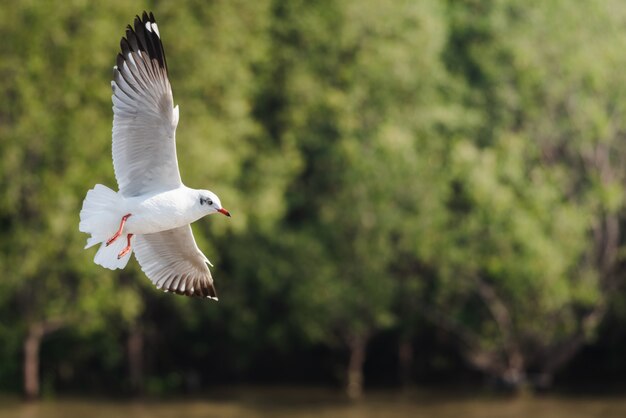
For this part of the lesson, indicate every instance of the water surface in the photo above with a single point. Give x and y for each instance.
(309, 403)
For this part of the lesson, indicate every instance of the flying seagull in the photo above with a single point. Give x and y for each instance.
(152, 212)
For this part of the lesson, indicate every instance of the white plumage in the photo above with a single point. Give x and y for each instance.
(152, 211)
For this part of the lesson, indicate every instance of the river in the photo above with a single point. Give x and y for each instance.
(315, 403)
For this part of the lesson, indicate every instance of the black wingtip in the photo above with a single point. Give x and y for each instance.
(119, 61)
(212, 292)
(125, 47)
(141, 37)
(202, 292)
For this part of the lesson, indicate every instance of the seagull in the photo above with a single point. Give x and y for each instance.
(152, 211)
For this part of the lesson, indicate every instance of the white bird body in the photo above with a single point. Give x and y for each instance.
(152, 212)
(161, 211)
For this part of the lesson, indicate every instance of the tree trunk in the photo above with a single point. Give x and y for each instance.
(515, 373)
(31, 360)
(32, 344)
(405, 362)
(135, 358)
(354, 387)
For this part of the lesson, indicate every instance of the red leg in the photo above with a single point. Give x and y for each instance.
(119, 231)
(126, 250)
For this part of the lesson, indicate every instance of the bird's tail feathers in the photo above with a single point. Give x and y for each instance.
(100, 217)
(107, 256)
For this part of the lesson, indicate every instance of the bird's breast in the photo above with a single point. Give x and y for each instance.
(158, 212)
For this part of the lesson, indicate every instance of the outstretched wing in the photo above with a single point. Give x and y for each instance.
(144, 119)
(173, 262)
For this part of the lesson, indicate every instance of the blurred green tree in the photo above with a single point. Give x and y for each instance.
(355, 84)
(55, 128)
(527, 266)
(458, 161)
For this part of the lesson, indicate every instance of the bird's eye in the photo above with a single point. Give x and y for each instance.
(209, 201)
(206, 200)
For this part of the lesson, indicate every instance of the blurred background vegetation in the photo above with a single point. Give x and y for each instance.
(423, 192)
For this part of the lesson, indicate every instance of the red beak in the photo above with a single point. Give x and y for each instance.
(224, 212)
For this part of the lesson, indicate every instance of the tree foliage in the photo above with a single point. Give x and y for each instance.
(390, 167)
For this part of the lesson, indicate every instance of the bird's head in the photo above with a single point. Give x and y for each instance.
(210, 203)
